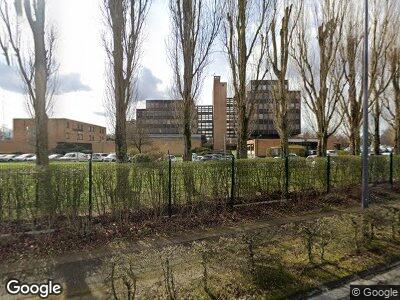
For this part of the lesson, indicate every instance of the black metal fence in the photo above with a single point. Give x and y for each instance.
(75, 190)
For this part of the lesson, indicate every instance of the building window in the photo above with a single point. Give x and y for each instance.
(67, 136)
(80, 136)
(67, 124)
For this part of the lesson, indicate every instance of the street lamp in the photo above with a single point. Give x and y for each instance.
(365, 193)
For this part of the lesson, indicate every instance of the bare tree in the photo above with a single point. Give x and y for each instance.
(4, 47)
(38, 69)
(124, 20)
(321, 78)
(137, 135)
(195, 26)
(351, 58)
(279, 59)
(246, 44)
(392, 103)
(381, 41)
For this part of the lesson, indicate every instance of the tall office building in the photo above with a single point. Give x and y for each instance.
(217, 122)
(205, 122)
(262, 123)
(220, 113)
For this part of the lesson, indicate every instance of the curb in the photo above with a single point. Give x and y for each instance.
(365, 274)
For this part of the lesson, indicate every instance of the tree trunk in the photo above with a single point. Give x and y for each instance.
(353, 118)
(322, 144)
(397, 139)
(41, 131)
(396, 88)
(397, 123)
(188, 56)
(358, 142)
(121, 147)
(117, 11)
(242, 70)
(242, 133)
(284, 134)
(284, 146)
(354, 138)
(377, 116)
(187, 136)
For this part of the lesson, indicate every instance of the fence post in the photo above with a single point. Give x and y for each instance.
(391, 170)
(232, 198)
(328, 174)
(169, 186)
(286, 176)
(90, 186)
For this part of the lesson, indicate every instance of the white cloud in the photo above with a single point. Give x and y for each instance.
(71, 83)
(149, 86)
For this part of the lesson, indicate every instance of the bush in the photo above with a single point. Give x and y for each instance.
(28, 192)
(201, 150)
(298, 150)
(142, 158)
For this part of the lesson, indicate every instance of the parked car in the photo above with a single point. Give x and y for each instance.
(54, 156)
(33, 158)
(171, 157)
(289, 155)
(51, 157)
(226, 157)
(195, 157)
(74, 156)
(331, 153)
(208, 157)
(112, 157)
(312, 152)
(311, 157)
(7, 157)
(99, 156)
(23, 157)
(217, 156)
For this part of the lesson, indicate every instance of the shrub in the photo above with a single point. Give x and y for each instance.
(201, 150)
(28, 193)
(142, 158)
(298, 150)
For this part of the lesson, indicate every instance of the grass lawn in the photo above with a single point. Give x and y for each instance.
(284, 260)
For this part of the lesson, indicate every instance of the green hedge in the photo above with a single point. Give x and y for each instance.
(28, 192)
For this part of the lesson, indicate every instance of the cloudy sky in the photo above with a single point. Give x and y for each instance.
(81, 58)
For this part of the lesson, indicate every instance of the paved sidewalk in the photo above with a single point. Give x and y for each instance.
(391, 277)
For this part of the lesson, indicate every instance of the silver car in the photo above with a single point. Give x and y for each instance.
(54, 156)
(74, 156)
(7, 157)
(23, 157)
(112, 157)
(99, 156)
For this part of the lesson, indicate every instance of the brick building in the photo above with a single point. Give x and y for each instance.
(262, 124)
(162, 117)
(160, 121)
(61, 131)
